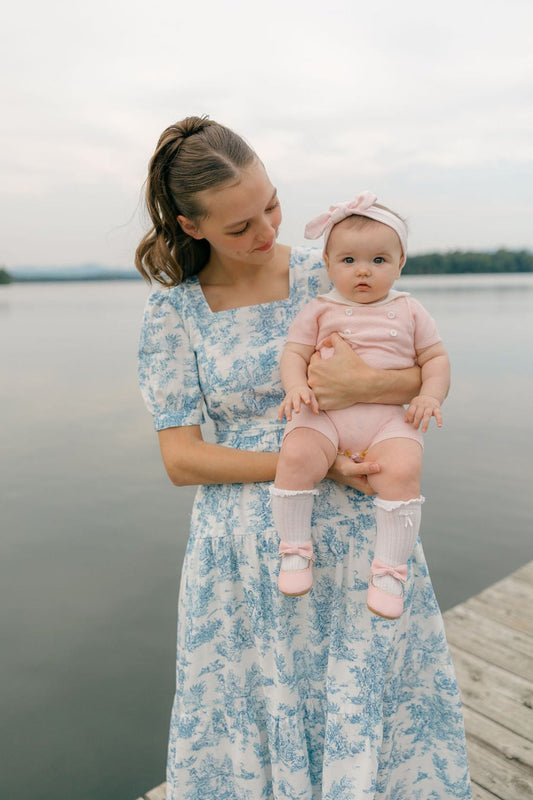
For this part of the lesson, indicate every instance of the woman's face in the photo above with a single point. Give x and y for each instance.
(242, 218)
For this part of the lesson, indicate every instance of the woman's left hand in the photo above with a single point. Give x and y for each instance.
(348, 472)
(345, 379)
(341, 380)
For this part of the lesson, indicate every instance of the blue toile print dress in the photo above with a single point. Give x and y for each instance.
(310, 698)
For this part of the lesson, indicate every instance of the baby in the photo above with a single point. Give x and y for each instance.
(365, 247)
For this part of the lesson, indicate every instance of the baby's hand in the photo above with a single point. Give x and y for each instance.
(421, 409)
(293, 400)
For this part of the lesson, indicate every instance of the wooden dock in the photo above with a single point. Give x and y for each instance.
(491, 642)
(159, 793)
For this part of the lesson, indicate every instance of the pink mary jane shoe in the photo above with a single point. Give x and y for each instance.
(296, 582)
(380, 602)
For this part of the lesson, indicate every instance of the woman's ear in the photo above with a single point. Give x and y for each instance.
(189, 227)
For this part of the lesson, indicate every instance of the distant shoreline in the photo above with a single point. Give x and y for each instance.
(457, 262)
(136, 278)
(449, 280)
(75, 278)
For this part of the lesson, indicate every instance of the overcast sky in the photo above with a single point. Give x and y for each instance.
(428, 104)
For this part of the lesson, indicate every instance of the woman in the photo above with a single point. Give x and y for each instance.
(276, 697)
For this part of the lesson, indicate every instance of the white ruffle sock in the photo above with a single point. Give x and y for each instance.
(292, 518)
(398, 524)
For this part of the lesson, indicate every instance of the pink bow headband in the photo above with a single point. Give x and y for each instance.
(363, 205)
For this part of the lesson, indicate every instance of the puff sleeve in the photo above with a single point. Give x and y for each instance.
(425, 327)
(167, 367)
(304, 327)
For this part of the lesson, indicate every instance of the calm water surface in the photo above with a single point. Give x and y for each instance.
(93, 534)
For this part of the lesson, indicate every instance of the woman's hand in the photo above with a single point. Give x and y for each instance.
(345, 379)
(344, 470)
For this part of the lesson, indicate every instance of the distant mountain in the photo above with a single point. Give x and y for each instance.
(80, 272)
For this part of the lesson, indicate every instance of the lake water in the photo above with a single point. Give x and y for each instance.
(93, 533)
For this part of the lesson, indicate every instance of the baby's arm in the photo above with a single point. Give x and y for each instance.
(435, 385)
(293, 367)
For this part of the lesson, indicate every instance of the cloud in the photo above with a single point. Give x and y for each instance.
(408, 99)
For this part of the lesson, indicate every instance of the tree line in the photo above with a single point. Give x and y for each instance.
(460, 261)
(452, 263)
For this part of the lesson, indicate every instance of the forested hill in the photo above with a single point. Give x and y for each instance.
(459, 261)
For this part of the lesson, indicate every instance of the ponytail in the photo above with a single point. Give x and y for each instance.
(191, 156)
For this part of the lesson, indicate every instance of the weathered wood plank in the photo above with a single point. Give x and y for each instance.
(494, 772)
(525, 573)
(492, 641)
(495, 693)
(508, 602)
(479, 793)
(515, 748)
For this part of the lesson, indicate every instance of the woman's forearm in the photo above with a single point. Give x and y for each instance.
(394, 386)
(191, 461)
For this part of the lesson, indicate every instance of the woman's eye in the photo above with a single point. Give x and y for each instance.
(274, 206)
(348, 260)
(239, 233)
(379, 260)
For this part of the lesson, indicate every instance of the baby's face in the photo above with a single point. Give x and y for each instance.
(363, 262)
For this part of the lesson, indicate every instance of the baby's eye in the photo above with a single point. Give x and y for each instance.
(348, 260)
(379, 260)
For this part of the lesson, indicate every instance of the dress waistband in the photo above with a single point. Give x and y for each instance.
(244, 426)
(267, 433)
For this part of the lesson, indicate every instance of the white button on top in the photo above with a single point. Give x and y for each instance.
(347, 330)
(393, 332)
(391, 314)
(349, 312)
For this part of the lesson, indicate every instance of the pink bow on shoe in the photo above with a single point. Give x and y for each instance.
(305, 550)
(379, 568)
(380, 602)
(296, 582)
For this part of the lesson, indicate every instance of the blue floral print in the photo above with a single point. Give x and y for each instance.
(280, 698)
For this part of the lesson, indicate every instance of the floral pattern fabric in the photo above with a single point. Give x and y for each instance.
(281, 698)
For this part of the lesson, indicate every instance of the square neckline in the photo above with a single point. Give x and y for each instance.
(195, 282)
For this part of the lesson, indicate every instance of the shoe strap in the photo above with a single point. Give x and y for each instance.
(379, 568)
(305, 550)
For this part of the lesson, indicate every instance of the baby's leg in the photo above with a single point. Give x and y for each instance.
(401, 466)
(398, 513)
(305, 457)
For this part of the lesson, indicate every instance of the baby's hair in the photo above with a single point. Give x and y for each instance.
(191, 156)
